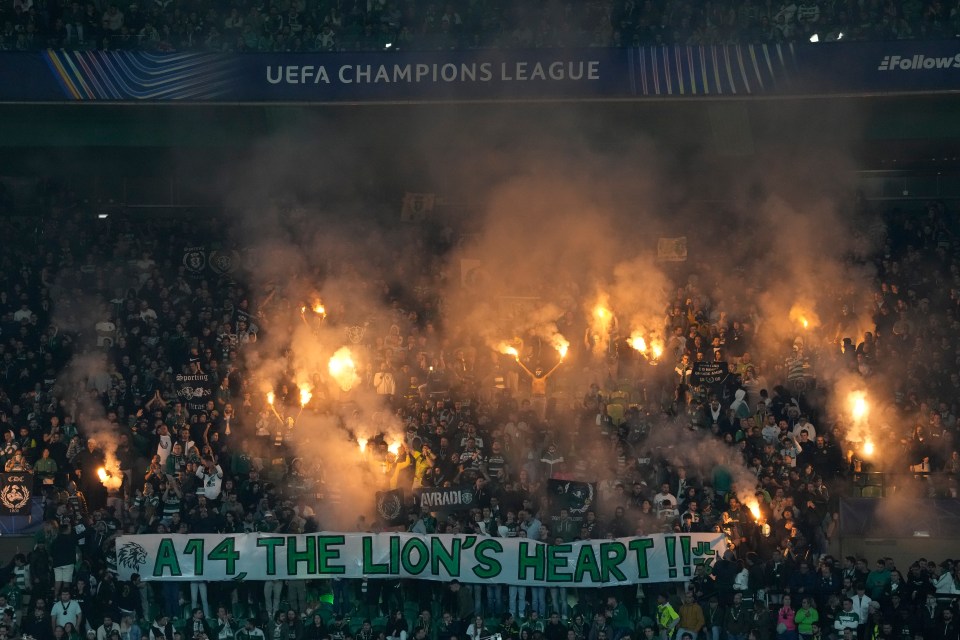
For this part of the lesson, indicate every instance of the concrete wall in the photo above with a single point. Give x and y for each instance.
(903, 550)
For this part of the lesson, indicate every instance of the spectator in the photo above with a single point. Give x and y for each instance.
(667, 618)
(66, 611)
(691, 617)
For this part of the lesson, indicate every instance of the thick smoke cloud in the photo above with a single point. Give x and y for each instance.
(557, 226)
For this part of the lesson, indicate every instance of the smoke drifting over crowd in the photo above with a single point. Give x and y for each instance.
(555, 249)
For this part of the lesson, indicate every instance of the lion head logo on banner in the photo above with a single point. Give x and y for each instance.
(132, 556)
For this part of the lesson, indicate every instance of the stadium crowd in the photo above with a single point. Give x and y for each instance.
(373, 25)
(120, 297)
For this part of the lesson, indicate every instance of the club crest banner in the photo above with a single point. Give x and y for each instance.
(468, 558)
(15, 491)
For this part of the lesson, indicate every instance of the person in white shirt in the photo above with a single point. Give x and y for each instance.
(23, 313)
(770, 431)
(943, 581)
(165, 445)
(67, 610)
(805, 425)
(384, 382)
(861, 603)
(663, 496)
(104, 630)
(211, 475)
(477, 629)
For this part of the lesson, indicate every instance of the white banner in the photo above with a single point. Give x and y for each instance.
(511, 561)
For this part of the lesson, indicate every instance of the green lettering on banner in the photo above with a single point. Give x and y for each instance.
(370, 567)
(535, 562)
(328, 551)
(423, 556)
(586, 563)
(195, 547)
(295, 556)
(394, 555)
(227, 552)
(440, 555)
(558, 557)
(487, 566)
(271, 544)
(476, 559)
(611, 555)
(640, 546)
(167, 559)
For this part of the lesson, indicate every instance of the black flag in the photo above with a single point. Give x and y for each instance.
(576, 497)
(390, 508)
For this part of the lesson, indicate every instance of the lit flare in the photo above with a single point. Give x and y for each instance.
(343, 369)
(109, 474)
(858, 405)
(868, 448)
(508, 350)
(561, 344)
(804, 315)
(305, 394)
(656, 347)
(637, 342)
(754, 506)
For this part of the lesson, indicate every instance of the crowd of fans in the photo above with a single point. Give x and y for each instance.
(373, 25)
(98, 317)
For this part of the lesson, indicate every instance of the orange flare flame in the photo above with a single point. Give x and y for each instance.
(305, 394)
(754, 506)
(343, 369)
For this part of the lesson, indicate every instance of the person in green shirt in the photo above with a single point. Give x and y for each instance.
(176, 461)
(877, 580)
(806, 616)
(46, 468)
(533, 623)
(617, 617)
(847, 618)
(509, 629)
(667, 617)
(268, 524)
(172, 497)
(13, 593)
